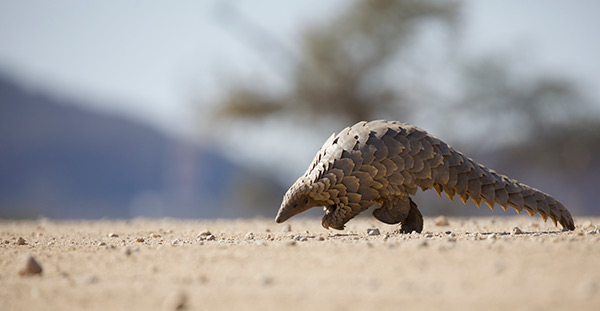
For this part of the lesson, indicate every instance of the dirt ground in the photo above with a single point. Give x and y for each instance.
(473, 263)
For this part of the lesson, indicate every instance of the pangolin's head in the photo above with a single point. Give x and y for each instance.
(296, 200)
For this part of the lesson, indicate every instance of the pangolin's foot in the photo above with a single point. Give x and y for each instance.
(414, 220)
(331, 220)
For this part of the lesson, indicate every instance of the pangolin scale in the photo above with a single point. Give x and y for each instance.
(384, 162)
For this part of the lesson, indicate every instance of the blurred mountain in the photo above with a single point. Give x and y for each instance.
(61, 161)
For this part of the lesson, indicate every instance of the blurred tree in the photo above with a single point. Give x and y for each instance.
(496, 96)
(341, 68)
(367, 64)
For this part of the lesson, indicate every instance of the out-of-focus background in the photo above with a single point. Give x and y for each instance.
(212, 109)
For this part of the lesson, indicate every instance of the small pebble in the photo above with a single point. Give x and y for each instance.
(127, 251)
(498, 266)
(102, 244)
(428, 235)
(374, 231)
(265, 280)
(29, 266)
(175, 301)
(175, 241)
(21, 241)
(204, 233)
(139, 240)
(517, 230)
(113, 235)
(592, 232)
(154, 235)
(87, 279)
(211, 238)
(441, 221)
(448, 232)
(588, 288)
(320, 238)
(249, 236)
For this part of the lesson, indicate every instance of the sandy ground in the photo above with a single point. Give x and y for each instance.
(474, 263)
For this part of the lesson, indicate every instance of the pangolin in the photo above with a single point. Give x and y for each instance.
(384, 162)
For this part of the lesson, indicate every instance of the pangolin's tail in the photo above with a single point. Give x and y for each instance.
(460, 175)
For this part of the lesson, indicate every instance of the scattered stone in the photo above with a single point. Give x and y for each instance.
(428, 235)
(175, 301)
(517, 230)
(206, 238)
(6, 242)
(21, 241)
(127, 251)
(287, 228)
(588, 288)
(373, 231)
(441, 221)
(498, 266)
(592, 231)
(249, 236)
(492, 237)
(204, 233)
(320, 238)
(29, 266)
(154, 235)
(564, 230)
(448, 232)
(102, 244)
(265, 280)
(87, 279)
(175, 241)
(139, 240)
(113, 235)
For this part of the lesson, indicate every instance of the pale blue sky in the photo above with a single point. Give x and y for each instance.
(145, 59)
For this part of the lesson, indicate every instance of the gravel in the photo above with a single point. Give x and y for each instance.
(441, 221)
(373, 231)
(29, 266)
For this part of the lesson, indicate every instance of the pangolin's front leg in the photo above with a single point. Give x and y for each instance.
(337, 216)
(401, 210)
